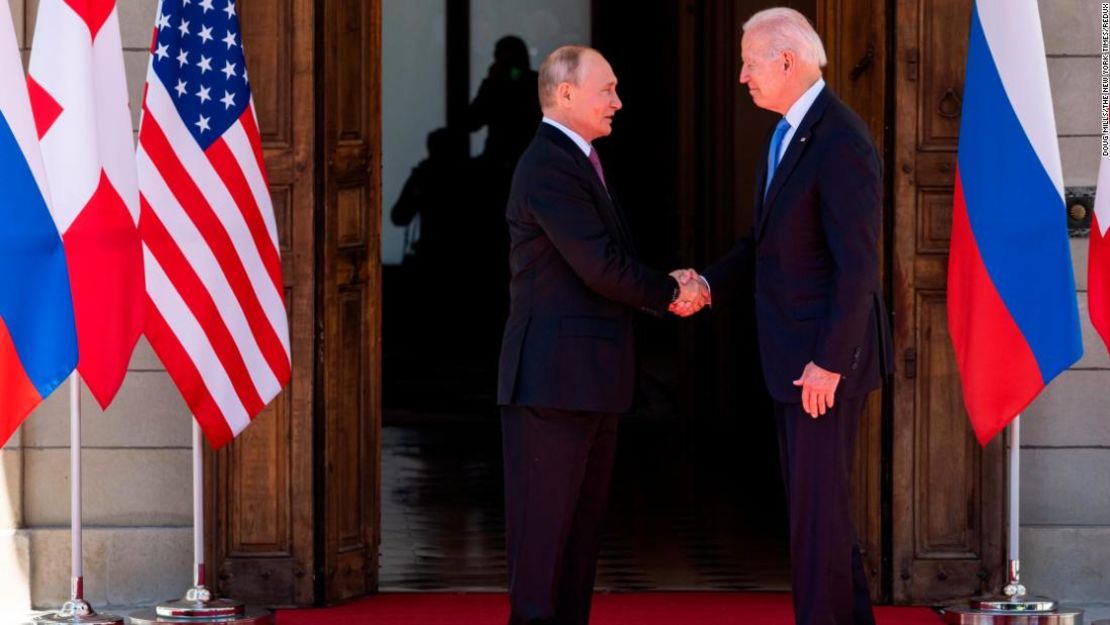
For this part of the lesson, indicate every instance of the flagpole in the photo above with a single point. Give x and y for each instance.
(76, 610)
(198, 602)
(198, 514)
(1015, 606)
(1014, 587)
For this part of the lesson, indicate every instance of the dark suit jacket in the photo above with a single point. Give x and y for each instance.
(813, 257)
(575, 286)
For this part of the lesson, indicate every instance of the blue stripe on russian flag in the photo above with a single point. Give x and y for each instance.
(1016, 215)
(35, 299)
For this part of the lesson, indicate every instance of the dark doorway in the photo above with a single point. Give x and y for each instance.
(697, 497)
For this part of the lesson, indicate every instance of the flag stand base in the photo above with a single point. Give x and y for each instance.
(1011, 611)
(199, 607)
(76, 611)
(1013, 607)
(249, 616)
(198, 603)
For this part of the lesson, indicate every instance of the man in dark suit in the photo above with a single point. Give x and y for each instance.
(567, 361)
(813, 262)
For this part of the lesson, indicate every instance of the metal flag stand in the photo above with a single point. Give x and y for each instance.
(198, 606)
(76, 610)
(1015, 606)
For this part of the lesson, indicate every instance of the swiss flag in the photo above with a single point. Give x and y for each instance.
(1098, 261)
(78, 92)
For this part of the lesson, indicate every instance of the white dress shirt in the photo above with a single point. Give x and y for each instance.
(574, 136)
(797, 113)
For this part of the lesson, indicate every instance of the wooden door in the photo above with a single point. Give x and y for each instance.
(948, 535)
(855, 36)
(293, 503)
(260, 521)
(721, 134)
(351, 295)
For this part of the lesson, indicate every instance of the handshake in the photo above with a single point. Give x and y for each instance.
(693, 293)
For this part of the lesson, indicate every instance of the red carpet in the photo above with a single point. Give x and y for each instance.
(609, 609)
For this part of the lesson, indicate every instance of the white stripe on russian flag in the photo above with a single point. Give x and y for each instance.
(1013, 32)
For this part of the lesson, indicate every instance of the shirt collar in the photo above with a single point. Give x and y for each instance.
(798, 111)
(574, 136)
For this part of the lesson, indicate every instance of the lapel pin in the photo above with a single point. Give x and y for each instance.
(803, 139)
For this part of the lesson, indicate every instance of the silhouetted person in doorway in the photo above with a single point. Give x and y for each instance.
(507, 104)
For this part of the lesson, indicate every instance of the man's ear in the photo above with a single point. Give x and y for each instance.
(563, 93)
(788, 60)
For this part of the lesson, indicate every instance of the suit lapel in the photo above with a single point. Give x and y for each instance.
(798, 145)
(608, 209)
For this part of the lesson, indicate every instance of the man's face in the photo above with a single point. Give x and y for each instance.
(593, 101)
(765, 75)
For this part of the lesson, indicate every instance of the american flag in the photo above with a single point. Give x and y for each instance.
(216, 314)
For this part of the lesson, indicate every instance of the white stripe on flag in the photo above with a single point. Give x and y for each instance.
(240, 146)
(203, 262)
(15, 104)
(1013, 32)
(219, 198)
(192, 338)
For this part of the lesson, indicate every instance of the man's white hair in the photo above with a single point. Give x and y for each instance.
(789, 30)
(560, 66)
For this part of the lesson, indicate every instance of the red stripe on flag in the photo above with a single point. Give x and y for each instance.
(105, 260)
(185, 375)
(189, 196)
(232, 176)
(999, 372)
(201, 304)
(18, 396)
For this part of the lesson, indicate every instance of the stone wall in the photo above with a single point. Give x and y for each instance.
(1065, 473)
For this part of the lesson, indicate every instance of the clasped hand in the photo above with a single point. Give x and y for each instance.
(693, 293)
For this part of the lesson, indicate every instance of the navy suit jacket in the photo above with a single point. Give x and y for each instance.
(575, 286)
(812, 258)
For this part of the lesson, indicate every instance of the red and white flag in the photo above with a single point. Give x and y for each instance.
(78, 94)
(1098, 260)
(216, 314)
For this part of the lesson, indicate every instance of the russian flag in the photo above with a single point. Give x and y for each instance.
(38, 342)
(1012, 310)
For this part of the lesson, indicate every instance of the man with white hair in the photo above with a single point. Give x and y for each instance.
(813, 262)
(567, 361)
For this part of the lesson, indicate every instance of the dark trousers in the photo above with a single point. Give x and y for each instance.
(558, 466)
(826, 569)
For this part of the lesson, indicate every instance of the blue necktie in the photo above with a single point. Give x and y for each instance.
(773, 155)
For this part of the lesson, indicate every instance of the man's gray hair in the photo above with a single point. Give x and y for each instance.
(560, 66)
(789, 30)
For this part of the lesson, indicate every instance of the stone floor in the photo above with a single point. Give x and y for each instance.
(677, 521)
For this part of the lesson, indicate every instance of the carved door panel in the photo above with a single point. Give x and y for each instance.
(948, 535)
(855, 36)
(292, 504)
(259, 513)
(351, 276)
